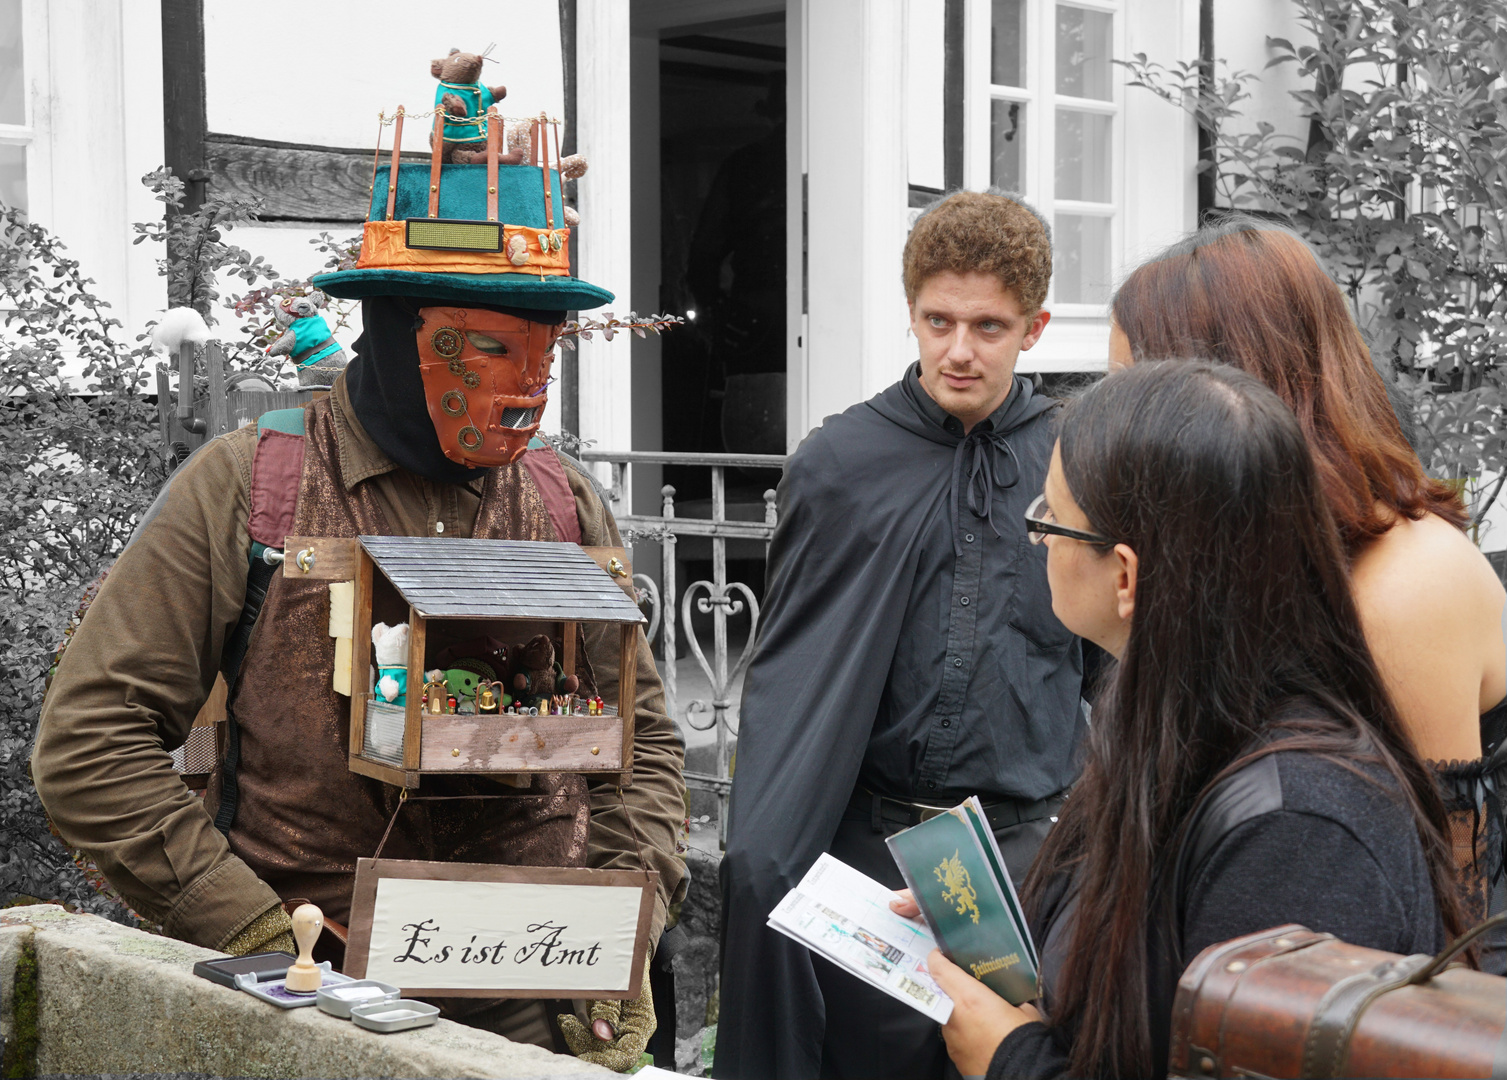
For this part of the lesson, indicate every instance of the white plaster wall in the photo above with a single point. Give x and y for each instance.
(604, 255)
(853, 113)
(95, 81)
(319, 73)
(925, 69)
(1241, 31)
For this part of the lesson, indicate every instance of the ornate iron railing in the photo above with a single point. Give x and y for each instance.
(720, 598)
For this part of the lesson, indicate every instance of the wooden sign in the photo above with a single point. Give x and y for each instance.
(479, 930)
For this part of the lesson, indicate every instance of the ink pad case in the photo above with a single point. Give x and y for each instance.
(263, 965)
(399, 1015)
(274, 992)
(338, 1000)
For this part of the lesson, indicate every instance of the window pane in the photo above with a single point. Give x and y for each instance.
(1083, 147)
(1007, 135)
(12, 72)
(1080, 259)
(1084, 47)
(1007, 43)
(13, 176)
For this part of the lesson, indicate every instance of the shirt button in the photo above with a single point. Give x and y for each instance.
(957, 661)
(439, 526)
(931, 784)
(968, 537)
(964, 601)
(947, 723)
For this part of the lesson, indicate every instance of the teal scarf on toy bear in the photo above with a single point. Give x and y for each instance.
(477, 99)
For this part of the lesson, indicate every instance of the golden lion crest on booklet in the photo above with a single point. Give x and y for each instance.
(958, 886)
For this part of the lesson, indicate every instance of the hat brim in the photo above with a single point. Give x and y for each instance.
(511, 290)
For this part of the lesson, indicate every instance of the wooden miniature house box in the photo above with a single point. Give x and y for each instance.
(450, 590)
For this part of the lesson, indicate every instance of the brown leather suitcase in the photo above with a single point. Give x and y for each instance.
(1292, 1003)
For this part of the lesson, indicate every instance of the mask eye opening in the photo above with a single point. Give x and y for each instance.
(486, 343)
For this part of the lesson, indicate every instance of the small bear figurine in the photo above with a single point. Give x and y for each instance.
(520, 149)
(535, 666)
(462, 95)
(390, 652)
(306, 339)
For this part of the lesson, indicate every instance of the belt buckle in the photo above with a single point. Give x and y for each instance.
(926, 813)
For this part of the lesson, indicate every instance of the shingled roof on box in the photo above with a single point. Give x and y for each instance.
(446, 578)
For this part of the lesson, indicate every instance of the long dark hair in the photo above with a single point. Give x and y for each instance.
(1243, 614)
(1254, 295)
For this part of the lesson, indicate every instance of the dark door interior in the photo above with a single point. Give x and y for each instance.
(722, 176)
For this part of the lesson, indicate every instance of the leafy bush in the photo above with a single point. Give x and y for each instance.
(1400, 185)
(75, 472)
(80, 462)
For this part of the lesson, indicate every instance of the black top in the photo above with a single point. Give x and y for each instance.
(965, 710)
(907, 640)
(1311, 843)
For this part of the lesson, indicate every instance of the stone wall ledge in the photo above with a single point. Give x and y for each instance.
(109, 999)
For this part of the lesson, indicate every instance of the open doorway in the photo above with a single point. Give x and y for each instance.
(722, 250)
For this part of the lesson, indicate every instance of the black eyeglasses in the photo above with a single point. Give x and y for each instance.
(1040, 524)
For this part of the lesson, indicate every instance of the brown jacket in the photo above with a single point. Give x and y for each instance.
(143, 662)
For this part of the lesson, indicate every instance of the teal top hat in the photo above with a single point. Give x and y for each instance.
(489, 233)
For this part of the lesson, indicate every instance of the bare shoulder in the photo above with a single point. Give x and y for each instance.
(1431, 607)
(1426, 566)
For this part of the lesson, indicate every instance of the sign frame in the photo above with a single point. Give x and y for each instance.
(371, 871)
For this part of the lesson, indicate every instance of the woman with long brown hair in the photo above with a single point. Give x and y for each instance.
(1246, 766)
(1254, 295)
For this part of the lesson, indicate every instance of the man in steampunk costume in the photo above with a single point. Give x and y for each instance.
(428, 432)
(908, 656)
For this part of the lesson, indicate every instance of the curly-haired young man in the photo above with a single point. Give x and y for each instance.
(908, 655)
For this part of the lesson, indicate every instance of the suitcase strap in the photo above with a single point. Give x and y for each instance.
(1340, 1010)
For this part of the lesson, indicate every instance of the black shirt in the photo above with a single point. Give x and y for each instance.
(966, 709)
(1333, 851)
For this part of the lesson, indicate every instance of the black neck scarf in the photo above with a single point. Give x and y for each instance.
(387, 391)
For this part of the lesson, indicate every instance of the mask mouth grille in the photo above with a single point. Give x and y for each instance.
(518, 418)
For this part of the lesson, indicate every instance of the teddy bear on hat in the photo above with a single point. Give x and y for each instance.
(463, 97)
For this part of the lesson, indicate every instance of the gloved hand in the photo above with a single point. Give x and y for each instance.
(629, 1025)
(271, 931)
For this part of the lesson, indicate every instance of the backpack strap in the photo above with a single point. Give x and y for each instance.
(548, 473)
(276, 468)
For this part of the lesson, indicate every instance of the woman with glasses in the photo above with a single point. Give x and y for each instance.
(1246, 766)
(1253, 295)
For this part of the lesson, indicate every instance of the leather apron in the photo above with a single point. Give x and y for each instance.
(304, 818)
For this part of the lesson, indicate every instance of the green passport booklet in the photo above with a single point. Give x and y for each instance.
(959, 880)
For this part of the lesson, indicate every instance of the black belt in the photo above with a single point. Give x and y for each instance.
(1000, 813)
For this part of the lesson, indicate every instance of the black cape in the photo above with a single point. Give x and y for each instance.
(855, 500)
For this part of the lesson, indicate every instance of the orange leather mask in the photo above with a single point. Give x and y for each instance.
(485, 376)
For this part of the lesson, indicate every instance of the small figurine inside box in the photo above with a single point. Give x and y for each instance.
(467, 656)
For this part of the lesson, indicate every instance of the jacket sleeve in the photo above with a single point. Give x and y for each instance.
(656, 799)
(134, 676)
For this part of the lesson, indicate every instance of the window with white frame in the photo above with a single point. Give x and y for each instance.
(1044, 121)
(15, 129)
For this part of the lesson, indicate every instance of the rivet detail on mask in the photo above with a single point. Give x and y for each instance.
(457, 366)
(471, 379)
(470, 438)
(454, 404)
(447, 342)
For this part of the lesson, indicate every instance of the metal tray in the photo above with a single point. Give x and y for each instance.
(397, 1015)
(274, 992)
(338, 1000)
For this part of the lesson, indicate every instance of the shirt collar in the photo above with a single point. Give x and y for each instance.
(944, 419)
(360, 457)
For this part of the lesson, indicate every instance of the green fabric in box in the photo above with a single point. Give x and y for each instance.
(463, 194)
